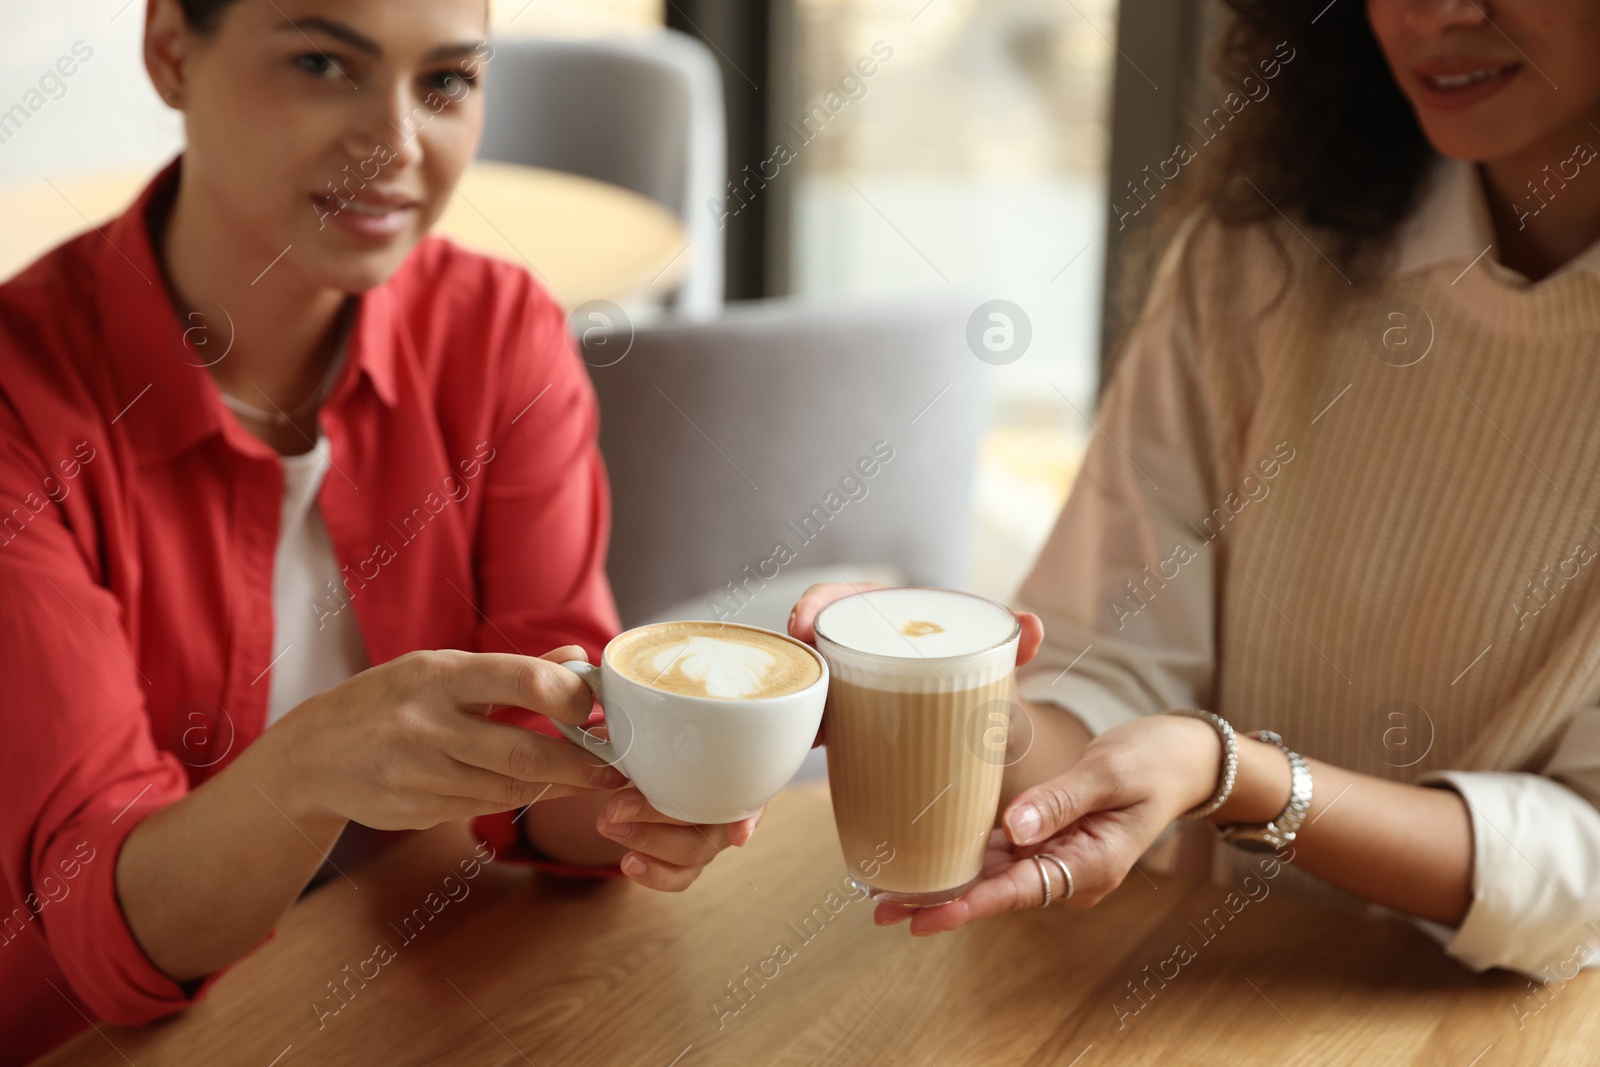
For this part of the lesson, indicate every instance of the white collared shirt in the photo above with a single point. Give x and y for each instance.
(1452, 223)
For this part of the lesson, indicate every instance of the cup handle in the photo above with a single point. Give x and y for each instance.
(577, 735)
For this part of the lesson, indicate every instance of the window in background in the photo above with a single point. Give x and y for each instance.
(971, 163)
(104, 116)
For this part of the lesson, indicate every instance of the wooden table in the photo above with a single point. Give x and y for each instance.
(588, 240)
(526, 969)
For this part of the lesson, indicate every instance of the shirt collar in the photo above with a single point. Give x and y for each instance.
(1452, 225)
(163, 390)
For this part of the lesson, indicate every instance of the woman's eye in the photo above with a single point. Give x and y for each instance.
(454, 83)
(320, 66)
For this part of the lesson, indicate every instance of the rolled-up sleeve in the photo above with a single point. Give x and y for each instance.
(80, 767)
(1536, 862)
(1125, 589)
(545, 524)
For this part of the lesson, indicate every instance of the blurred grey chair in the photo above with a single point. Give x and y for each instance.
(645, 113)
(739, 452)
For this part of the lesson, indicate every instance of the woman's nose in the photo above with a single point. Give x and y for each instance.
(1428, 17)
(390, 127)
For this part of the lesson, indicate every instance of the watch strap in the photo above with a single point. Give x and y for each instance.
(1285, 826)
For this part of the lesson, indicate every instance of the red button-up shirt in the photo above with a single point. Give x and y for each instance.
(467, 505)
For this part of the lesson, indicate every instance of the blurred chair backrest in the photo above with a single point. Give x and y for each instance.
(789, 435)
(645, 113)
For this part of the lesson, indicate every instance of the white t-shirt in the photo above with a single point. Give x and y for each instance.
(315, 649)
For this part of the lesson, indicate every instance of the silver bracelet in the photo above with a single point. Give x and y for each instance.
(1230, 762)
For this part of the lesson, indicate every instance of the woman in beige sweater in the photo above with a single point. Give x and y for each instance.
(1343, 488)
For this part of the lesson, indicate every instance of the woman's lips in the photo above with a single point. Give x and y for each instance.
(371, 221)
(1455, 84)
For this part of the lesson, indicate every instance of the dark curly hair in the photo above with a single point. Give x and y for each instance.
(1335, 144)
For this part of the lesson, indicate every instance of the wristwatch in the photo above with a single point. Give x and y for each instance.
(1271, 836)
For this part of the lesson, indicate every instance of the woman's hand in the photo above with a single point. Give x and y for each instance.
(1099, 817)
(666, 854)
(408, 744)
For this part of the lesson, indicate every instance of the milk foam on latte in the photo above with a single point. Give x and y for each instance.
(715, 660)
(916, 624)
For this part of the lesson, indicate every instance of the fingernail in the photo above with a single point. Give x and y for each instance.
(1024, 823)
(624, 809)
(793, 615)
(634, 865)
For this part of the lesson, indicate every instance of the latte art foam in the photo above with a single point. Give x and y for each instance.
(916, 624)
(729, 669)
(725, 662)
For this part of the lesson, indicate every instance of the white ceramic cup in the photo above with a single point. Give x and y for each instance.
(701, 759)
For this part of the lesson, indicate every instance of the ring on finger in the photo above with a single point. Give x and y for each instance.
(1044, 878)
(1066, 872)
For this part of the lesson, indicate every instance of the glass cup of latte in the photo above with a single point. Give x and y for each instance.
(708, 719)
(916, 721)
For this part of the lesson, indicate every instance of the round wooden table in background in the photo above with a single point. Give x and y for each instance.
(585, 239)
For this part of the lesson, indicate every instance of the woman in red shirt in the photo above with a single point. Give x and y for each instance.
(155, 829)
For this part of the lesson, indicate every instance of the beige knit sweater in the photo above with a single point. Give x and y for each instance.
(1366, 516)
